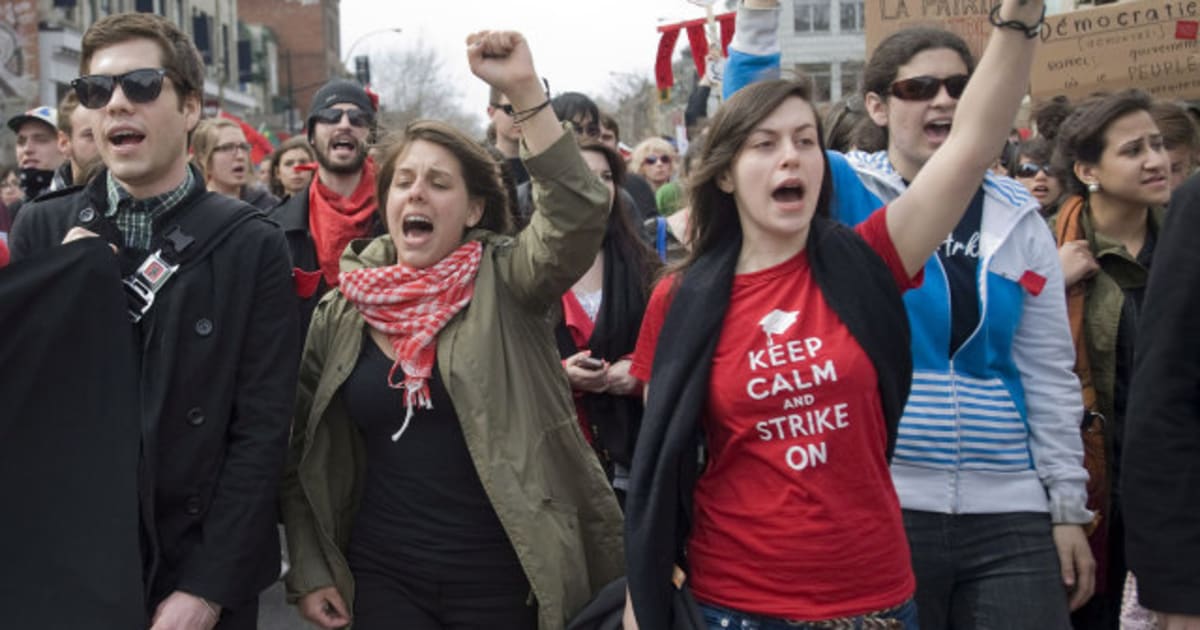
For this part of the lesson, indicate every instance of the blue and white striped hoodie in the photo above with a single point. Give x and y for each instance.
(995, 427)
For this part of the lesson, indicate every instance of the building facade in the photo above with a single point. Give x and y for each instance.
(825, 41)
(307, 40)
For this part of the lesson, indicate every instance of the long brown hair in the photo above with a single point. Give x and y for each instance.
(714, 216)
(480, 173)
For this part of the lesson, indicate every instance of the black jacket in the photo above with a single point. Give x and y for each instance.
(1160, 483)
(218, 361)
(69, 444)
(855, 282)
(292, 216)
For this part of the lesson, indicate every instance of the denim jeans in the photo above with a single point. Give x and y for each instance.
(986, 571)
(720, 618)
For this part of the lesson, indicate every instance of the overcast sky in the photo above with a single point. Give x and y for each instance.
(575, 43)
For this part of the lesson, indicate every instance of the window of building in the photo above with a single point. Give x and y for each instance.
(851, 18)
(819, 77)
(811, 16)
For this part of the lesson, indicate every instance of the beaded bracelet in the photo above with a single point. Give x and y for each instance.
(1030, 31)
(526, 114)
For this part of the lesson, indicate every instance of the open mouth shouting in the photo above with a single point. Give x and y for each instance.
(343, 148)
(789, 195)
(936, 131)
(125, 139)
(418, 229)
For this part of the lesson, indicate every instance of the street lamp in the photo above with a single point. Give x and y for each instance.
(358, 41)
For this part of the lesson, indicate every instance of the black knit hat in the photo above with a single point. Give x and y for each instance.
(340, 91)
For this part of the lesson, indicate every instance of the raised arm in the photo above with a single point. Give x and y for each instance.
(925, 213)
(570, 204)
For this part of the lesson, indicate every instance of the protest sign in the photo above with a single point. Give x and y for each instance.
(966, 18)
(1151, 45)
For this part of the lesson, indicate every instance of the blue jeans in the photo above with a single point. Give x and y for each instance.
(986, 571)
(720, 618)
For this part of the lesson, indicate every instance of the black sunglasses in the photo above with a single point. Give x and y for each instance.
(507, 108)
(1030, 169)
(653, 159)
(333, 116)
(590, 131)
(140, 86)
(925, 87)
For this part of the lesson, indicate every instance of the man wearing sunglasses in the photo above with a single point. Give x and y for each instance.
(340, 204)
(212, 307)
(508, 134)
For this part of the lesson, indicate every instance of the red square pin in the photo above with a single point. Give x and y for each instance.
(154, 271)
(1186, 29)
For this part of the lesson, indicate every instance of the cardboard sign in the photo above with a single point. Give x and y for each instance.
(966, 18)
(1150, 45)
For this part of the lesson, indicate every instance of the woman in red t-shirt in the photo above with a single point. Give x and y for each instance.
(775, 343)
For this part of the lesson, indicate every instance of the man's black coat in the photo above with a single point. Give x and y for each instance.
(219, 356)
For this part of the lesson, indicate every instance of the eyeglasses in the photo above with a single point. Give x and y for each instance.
(140, 86)
(654, 159)
(1030, 169)
(507, 108)
(333, 116)
(925, 87)
(232, 147)
(591, 130)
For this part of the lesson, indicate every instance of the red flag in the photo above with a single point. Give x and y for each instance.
(663, 75)
(698, 42)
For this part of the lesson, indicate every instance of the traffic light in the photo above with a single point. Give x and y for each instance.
(362, 69)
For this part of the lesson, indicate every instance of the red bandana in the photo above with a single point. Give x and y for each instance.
(334, 220)
(411, 306)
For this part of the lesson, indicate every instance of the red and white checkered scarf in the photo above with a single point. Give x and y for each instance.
(411, 306)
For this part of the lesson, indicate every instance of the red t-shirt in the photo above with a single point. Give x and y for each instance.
(795, 515)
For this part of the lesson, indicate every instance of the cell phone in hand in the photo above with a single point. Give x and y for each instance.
(590, 363)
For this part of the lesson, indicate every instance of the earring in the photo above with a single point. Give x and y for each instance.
(1093, 187)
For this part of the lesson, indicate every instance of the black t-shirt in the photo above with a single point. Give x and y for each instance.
(423, 507)
(959, 255)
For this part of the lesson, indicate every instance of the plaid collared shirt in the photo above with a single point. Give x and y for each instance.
(135, 217)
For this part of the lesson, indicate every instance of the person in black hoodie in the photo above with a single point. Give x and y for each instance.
(1161, 483)
(601, 316)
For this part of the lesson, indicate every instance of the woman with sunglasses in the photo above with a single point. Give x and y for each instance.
(220, 151)
(654, 159)
(1034, 172)
(782, 337)
(988, 462)
(1118, 179)
(438, 478)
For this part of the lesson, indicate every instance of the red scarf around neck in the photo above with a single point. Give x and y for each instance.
(334, 220)
(411, 306)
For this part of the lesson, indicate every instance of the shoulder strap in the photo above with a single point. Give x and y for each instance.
(189, 236)
(660, 237)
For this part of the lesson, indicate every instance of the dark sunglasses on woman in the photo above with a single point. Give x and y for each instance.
(653, 159)
(1030, 169)
(333, 116)
(925, 87)
(140, 86)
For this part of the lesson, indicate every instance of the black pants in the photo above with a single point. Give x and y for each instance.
(386, 599)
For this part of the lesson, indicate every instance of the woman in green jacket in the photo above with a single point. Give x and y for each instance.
(437, 476)
(1111, 152)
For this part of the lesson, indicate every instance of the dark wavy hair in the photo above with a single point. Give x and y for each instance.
(480, 172)
(620, 236)
(898, 49)
(1081, 135)
(714, 212)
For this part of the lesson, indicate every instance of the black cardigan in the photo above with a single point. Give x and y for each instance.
(1160, 482)
(858, 286)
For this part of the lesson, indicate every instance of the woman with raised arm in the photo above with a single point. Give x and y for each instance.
(781, 347)
(437, 475)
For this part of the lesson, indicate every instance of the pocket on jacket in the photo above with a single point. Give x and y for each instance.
(562, 540)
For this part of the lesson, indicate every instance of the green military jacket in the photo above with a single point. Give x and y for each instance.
(1102, 310)
(501, 368)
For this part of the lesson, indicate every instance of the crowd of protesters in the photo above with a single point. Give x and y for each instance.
(824, 368)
